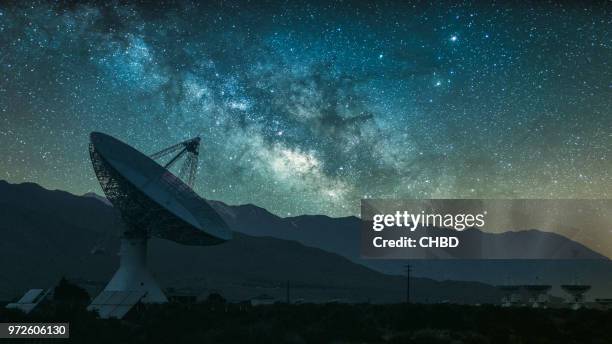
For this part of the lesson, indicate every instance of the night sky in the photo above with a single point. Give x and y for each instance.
(307, 108)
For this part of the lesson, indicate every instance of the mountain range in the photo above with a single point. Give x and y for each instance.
(564, 262)
(45, 234)
(546, 258)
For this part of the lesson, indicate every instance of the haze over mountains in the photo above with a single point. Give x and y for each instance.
(574, 262)
(45, 234)
(341, 235)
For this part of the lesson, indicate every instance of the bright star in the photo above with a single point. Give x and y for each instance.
(453, 38)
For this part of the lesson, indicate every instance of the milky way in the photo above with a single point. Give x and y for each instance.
(307, 108)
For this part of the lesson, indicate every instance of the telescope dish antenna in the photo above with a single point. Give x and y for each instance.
(511, 294)
(576, 292)
(537, 294)
(152, 202)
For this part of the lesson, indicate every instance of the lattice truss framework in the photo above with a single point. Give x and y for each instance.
(189, 149)
(143, 216)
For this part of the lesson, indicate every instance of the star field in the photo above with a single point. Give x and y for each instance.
(308, 107)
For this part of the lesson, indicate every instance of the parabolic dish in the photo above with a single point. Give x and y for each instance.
(150, 198)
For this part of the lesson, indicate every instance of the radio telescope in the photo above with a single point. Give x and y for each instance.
(576, 292)
(537, 294)
(153, 202)
(512, 295)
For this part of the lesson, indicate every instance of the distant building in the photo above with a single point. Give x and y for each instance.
(181, 296)
(29, 300)
(602, 304)
(263, 299)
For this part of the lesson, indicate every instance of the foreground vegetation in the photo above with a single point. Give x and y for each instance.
(214, 321)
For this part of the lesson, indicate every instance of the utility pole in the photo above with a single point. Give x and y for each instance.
(288, 294)
(408, 284)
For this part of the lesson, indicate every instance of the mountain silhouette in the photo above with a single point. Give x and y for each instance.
(45, 235)
(546, 258)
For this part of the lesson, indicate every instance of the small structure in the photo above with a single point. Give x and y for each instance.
(181, 296)
(603, 304)
(29, 300)
(262, 300)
